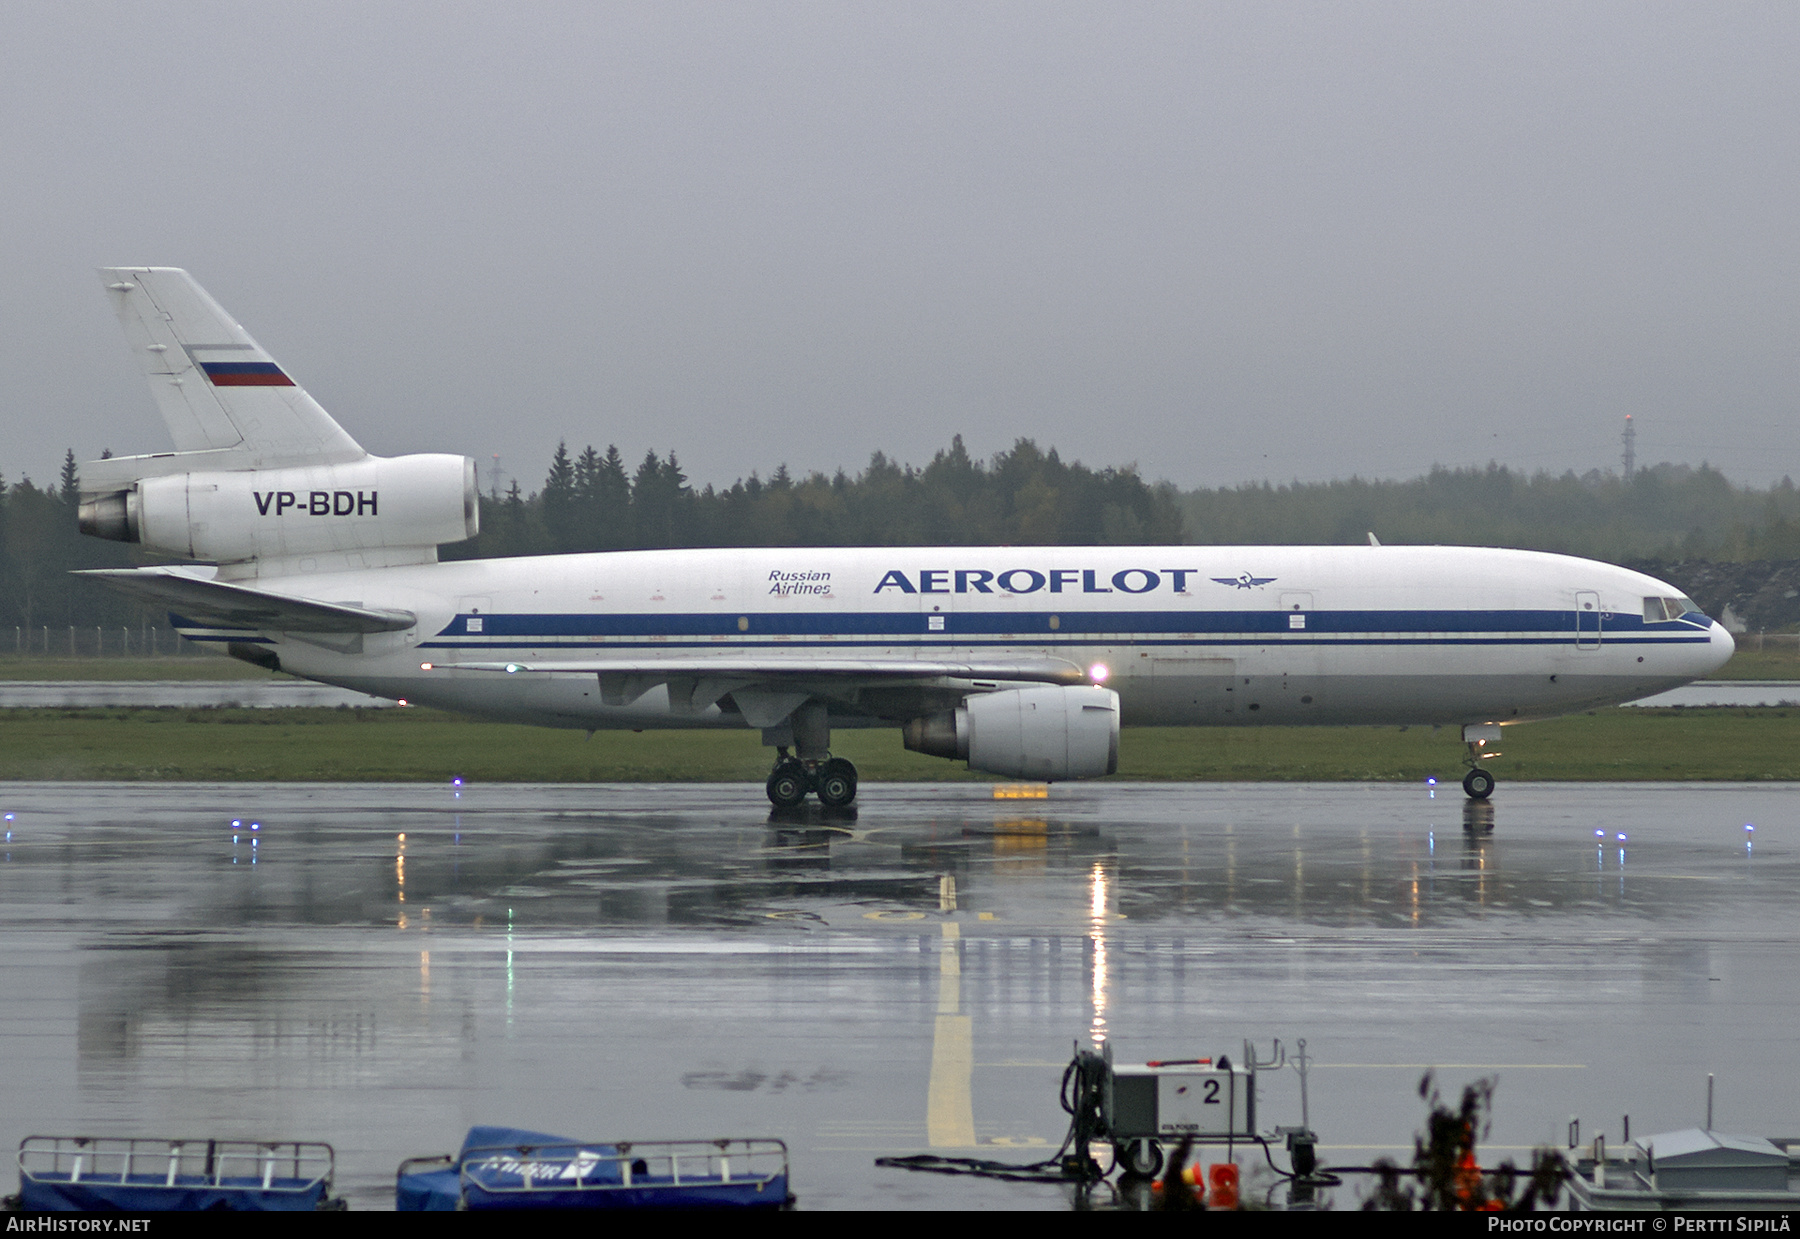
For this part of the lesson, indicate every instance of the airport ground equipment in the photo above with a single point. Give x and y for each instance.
(1200, 1100)
(94, 1174)
(506, 1168)
(1695, 1169)
(1137, 1109)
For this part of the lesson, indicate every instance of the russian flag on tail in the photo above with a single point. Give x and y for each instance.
(245, 374)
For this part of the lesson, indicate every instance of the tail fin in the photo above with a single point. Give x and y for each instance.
(219, 392)
(263, 482)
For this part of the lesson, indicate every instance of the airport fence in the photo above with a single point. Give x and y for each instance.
(100, 641)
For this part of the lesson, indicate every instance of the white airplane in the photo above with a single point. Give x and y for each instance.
(315, 558)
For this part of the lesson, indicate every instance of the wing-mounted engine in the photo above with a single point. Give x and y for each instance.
(262, 480)
(1035, 733)
(382, 511)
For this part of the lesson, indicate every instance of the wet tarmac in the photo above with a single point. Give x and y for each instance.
(383, 966)
(1728, 693)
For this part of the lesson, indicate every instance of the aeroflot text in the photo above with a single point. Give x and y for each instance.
(1030, 581)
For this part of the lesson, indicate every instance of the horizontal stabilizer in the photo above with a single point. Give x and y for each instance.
(239, 606)
(214, 385)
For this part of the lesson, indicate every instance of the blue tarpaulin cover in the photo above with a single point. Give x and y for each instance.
(440, 1188)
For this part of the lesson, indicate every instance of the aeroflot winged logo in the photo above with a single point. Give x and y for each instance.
(1243, 580)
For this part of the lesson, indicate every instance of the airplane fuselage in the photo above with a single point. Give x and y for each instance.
(1185, 634)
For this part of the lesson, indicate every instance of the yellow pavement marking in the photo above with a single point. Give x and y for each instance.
(949, 1105)
(949, 972)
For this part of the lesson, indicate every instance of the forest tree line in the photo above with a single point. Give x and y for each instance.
(1666, 512)
(593, 501)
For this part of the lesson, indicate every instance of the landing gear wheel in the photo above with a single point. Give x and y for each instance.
(837, 783)
(1140, 1159)
(788, 784)
(1478, 783)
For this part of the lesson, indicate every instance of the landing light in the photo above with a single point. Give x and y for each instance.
(1097, 673)
(512, 667)
(424, 666)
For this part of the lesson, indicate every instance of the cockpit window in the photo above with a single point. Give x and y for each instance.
(1661, 610)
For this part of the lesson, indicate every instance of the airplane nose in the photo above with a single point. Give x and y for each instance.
(1721, 646)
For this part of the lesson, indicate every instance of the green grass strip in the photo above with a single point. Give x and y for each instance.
(425, 745)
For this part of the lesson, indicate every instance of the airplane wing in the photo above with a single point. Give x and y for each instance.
(241, 606)
(1033, 670)
(766, 689)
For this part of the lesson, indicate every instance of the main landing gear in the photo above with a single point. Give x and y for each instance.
(815, 771)
(792, 780)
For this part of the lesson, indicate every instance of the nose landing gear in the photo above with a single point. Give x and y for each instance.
(1478, 783)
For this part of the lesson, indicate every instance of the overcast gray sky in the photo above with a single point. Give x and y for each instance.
(1224, 241)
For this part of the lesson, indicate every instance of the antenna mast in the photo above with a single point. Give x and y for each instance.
(1630, 439)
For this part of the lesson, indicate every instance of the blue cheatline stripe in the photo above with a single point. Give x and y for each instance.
(1381, 625)
(182, 621)
(765, 632)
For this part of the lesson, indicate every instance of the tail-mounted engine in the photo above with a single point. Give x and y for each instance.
(367, 506)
